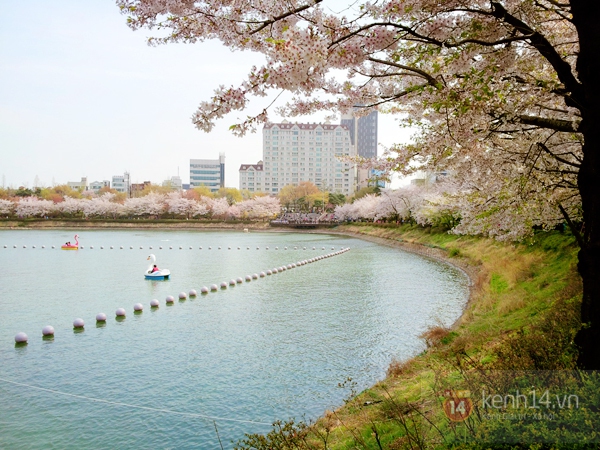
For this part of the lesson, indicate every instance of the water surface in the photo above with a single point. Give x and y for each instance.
(237, 359)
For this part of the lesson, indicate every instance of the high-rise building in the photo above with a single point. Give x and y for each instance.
(208, 172)
(363, 132)
(298, 152)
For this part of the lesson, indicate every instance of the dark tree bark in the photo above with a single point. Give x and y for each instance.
(586, 14)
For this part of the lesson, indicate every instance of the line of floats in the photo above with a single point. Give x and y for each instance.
(21, 338)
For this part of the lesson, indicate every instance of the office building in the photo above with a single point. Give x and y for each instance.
(208, 172)
(121, 183)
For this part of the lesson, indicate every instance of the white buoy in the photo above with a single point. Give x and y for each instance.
(214, 287)
(182, 296)
(289, 266)
(141, 248)
(21, 338)
(276, 248)
(130, 247)
(204, 290)
(160, 247)
(314, 248)
(193, 293)
(48, 330)
(100, 317)
(210, 248)
(53, 246)
(91, 247)
(248, 278)
(231, 282)
(257, 248)
(121, 247)
(43, 246)
(111, 247)
(24, 246)
(266, 248)
(255, 276)
(33, 246)
(228, 248)
(262, 274)
(200, 248)
(239, 280)
(120, 312)
(154, 303)
(190, 248)
(269, 272)
(247, 248)
(101, 247)
(295, 248)
(303, 248)
(239, 248)
(224, 285)
(78, 323)
(219, 248)
(170, 299)
(170, 248)
(150, 247)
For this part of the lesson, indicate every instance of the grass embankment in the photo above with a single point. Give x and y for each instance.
(522, 316)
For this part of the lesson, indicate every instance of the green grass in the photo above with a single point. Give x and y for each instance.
(523, 315)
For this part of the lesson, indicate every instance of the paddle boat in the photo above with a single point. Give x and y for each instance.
(69, 246)
(159, 274)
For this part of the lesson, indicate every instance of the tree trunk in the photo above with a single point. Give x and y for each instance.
(586, 14)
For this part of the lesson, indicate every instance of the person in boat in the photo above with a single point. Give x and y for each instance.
(68, 244)
(155, 269)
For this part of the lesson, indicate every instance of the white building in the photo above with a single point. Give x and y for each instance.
(121, 183)
(298, 152)
(174, 183)
(208, 172)
(251, 177)
(97, 185)
(79, 185)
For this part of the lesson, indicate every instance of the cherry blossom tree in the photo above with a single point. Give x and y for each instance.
(6, 207)
(34, 207)
(503, 92)
(104, 206)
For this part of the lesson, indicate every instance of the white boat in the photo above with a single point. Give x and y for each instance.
(151, 274)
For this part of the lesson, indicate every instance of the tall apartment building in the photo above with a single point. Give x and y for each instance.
(298, 152)
(363, 131)
(208, 172)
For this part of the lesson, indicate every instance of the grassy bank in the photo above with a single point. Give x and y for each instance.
(516, 334)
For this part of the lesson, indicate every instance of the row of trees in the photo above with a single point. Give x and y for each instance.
(153, 205)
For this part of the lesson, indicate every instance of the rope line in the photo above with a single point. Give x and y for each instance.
(128, 405)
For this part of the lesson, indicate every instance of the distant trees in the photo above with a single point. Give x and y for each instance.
(153, 205)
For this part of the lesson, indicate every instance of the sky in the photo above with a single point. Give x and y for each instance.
(82, 95)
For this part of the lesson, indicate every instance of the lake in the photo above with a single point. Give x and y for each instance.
(212, 367)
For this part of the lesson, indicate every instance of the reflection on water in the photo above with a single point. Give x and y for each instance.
(244, 356)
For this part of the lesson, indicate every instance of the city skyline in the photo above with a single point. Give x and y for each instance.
(81, 95)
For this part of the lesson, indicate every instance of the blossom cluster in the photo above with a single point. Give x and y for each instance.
(152, 205)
